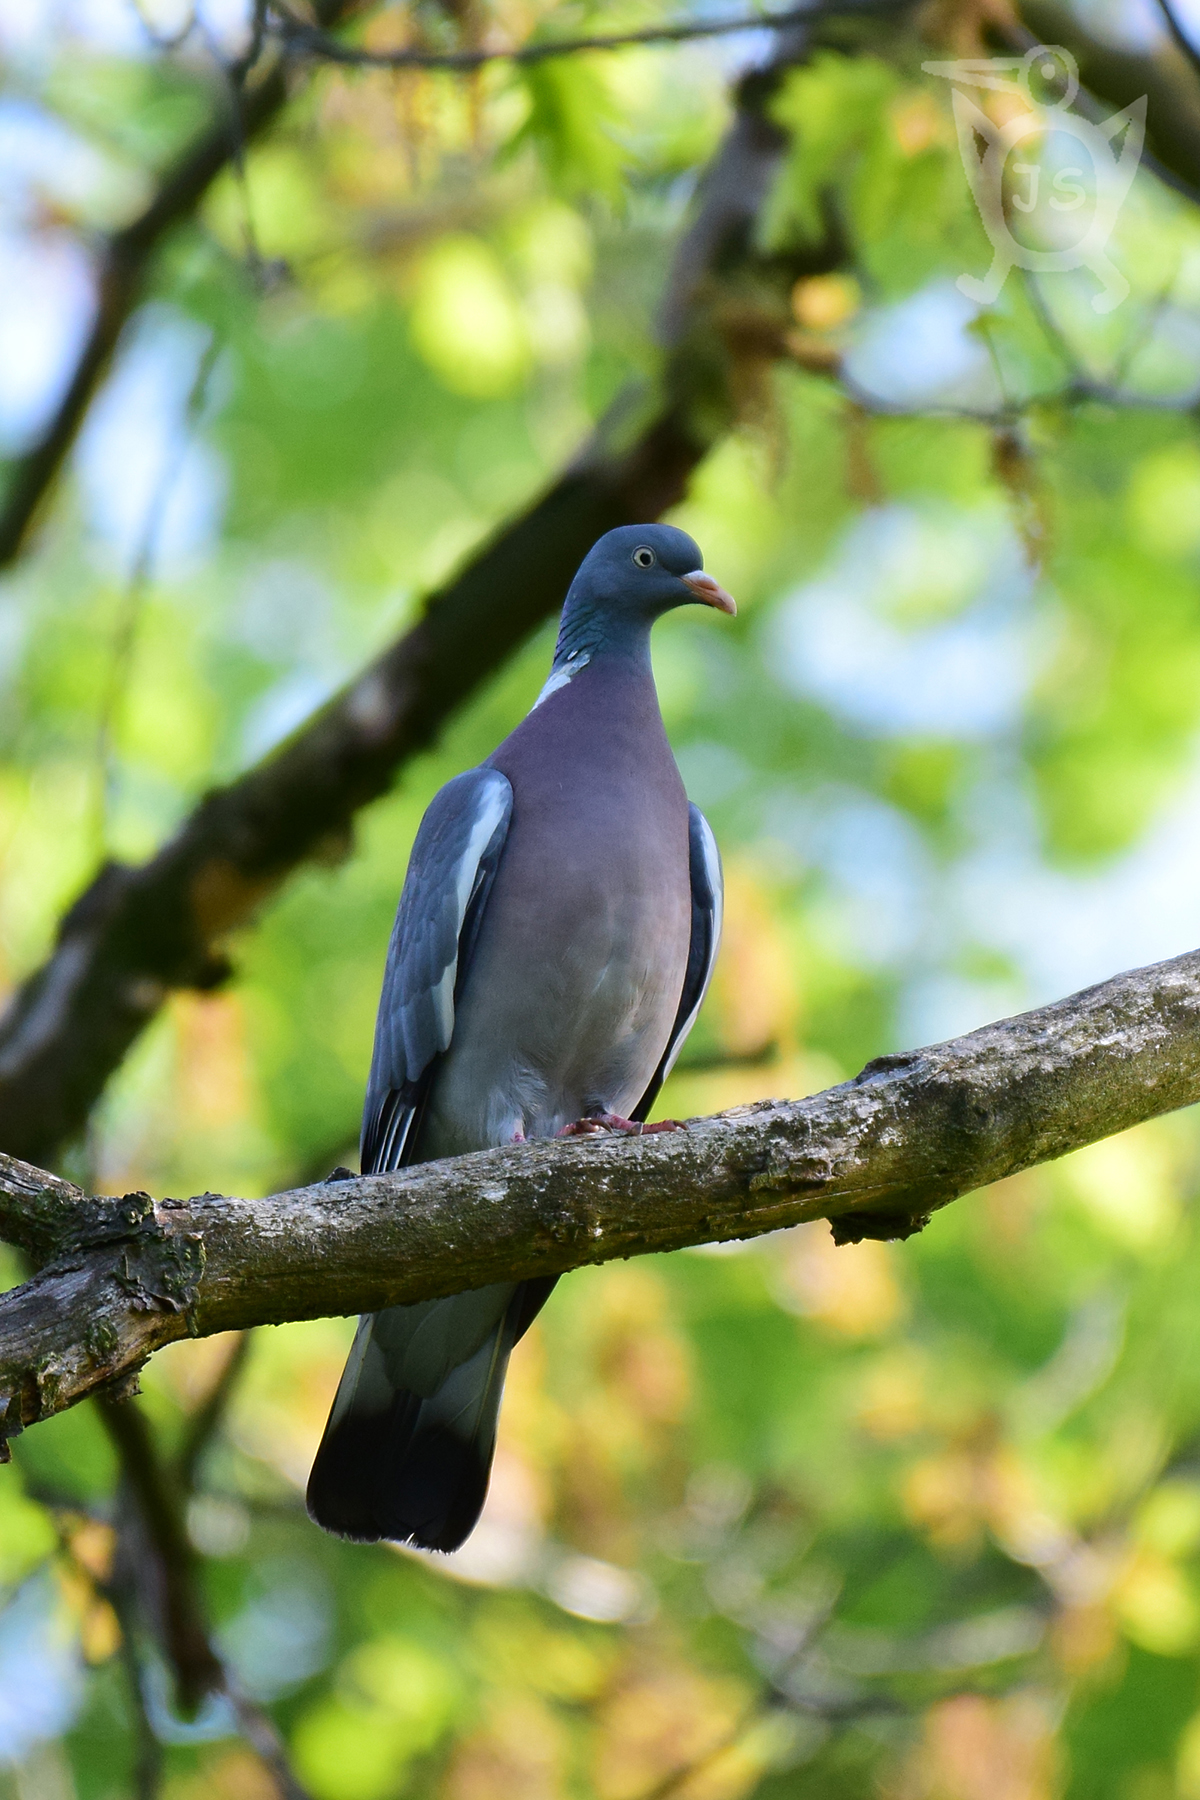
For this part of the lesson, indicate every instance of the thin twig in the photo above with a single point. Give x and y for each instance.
(322, 44)
(235, 75)
(989, 339)
(262, 1735)
(1080, 390)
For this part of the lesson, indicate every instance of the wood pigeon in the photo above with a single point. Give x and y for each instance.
(555, 936)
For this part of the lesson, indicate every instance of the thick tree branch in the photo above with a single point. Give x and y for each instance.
(138, 932)
(876, 1155)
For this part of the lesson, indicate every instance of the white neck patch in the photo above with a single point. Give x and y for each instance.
(561, 678)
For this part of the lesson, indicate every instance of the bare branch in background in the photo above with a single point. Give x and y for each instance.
(314, 42)
(1118, 76)
(168, 1581)
(137, 932)
(124, 265)
(876, 1156)
(157, 1579)
(819, 355)
(128, 254)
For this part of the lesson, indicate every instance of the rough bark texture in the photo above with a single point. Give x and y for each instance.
(876, 1155)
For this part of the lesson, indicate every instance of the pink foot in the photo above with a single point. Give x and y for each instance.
(614, 1122)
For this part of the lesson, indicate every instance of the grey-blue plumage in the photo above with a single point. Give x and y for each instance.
(554, 940)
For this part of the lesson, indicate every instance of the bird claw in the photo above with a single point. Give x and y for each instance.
(614, 1122)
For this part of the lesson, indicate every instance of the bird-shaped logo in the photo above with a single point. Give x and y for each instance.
(1074, 216)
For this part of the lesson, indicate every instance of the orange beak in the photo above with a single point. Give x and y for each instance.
(710, 591)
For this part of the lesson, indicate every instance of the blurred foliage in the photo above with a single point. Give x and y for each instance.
(914, 1522)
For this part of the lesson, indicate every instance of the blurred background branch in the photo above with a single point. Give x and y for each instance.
(156, 1573)
(136, 933)
(802, 1521)
(302, 37)
(124, 265)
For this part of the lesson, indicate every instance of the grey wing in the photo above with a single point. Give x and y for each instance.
(450, 873)
(708, 900)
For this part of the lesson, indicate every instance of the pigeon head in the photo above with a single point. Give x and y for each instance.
(627, 580)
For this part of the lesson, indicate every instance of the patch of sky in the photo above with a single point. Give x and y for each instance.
(736, 51)
(919, 623)
(922, 352)
(34, 31)
(280, 1637)
(16, 607)
(42, 160)
(1050, 931)
(111, 27)
(47, 296)
(939, 1004)
(1166, 364)
(287, 616)
(712, 772)
(41, 1675)
(285, 613)
(215, 1719)
(225, 24)
(877, 867)
(1064, 929)
(1133, 24)
(140, 459)
(281, 710)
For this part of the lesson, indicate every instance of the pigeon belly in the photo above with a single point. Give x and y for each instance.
(575, 981)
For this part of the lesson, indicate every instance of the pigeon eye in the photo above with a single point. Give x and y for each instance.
(644, 557)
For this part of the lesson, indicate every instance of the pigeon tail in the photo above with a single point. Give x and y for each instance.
(408, 1467)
